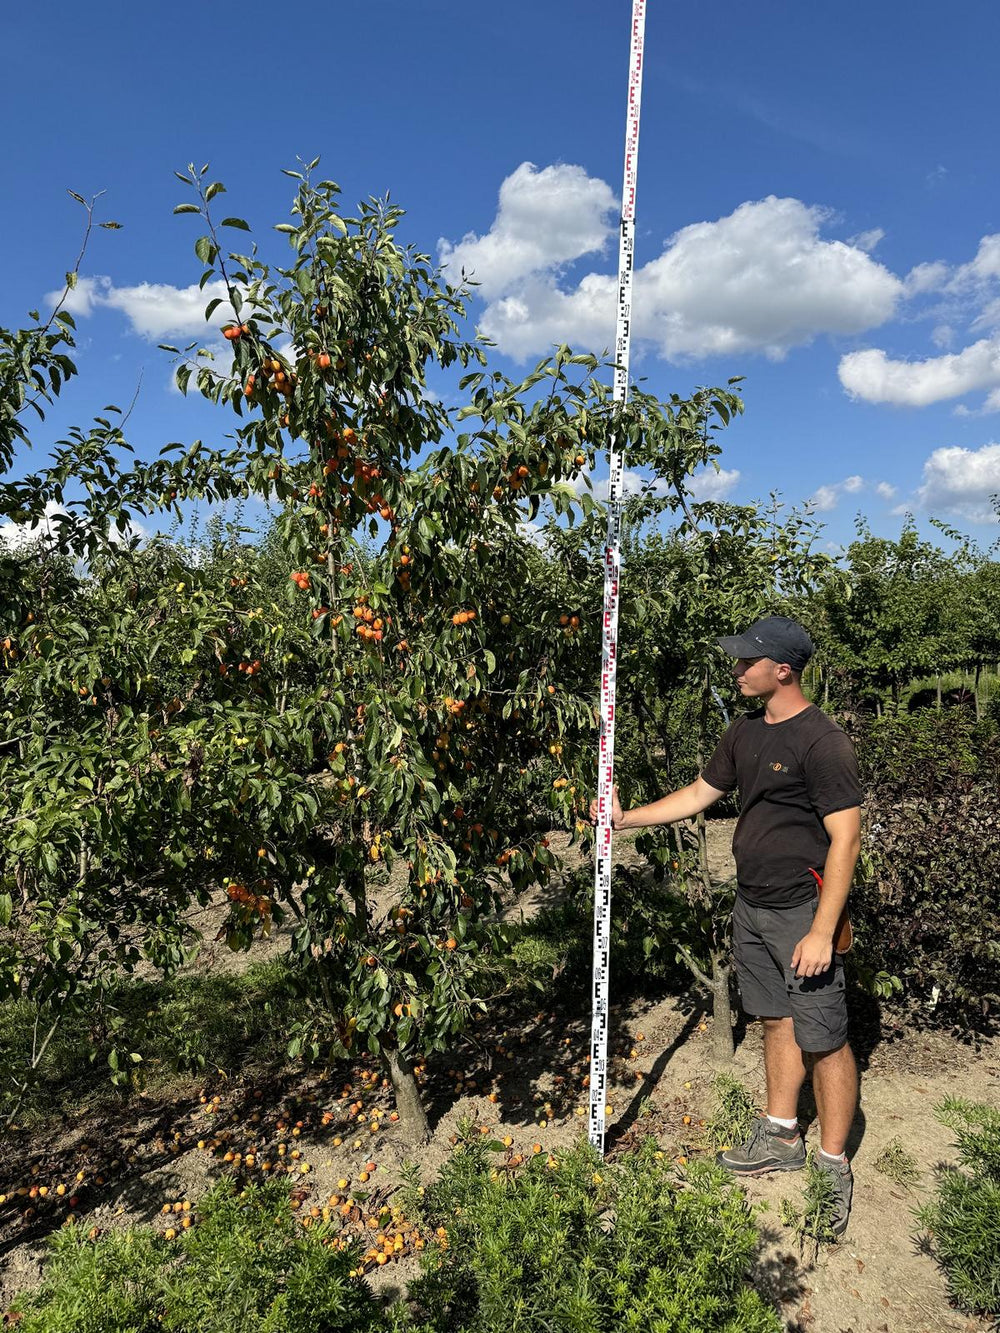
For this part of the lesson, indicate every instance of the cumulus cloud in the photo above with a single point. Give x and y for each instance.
(546, 218)
(82, 298)
(707, 484)
(878, 378)
(762, 279)
(710, 484)
(824, 498)
(827, 497)
(963, 294)
(962, 482)
(155, 310)
(15, 536)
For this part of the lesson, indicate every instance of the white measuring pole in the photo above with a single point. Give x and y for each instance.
(612, 571)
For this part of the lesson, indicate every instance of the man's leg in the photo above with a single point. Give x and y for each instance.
(784, 1068)
(835, 1086)
(773, 1146)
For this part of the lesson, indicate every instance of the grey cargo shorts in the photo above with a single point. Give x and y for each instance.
(764, 939)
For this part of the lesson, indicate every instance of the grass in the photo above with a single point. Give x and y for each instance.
(896, 1163)
(735, 1112)
(813, 1222)
(183, 1027)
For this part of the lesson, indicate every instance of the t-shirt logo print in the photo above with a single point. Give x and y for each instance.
(778, 768)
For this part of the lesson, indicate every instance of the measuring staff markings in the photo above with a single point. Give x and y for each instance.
(612, 577)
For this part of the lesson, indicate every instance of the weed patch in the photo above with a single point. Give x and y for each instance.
(962, 1222)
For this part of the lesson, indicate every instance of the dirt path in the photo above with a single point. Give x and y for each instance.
(526, 1078)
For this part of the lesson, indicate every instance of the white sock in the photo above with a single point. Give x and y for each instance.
(831, 1157)
(785, 1124)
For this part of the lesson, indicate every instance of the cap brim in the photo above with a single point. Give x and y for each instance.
(740, 645)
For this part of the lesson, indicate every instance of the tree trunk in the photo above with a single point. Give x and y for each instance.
(937, 682)
(412, 1116)
(975, 691)
(722, 1012)
(717, 986)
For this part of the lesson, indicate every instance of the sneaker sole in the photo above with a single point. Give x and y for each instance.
(761, 1170)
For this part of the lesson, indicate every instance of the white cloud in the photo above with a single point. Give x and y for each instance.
(983, 268)
(969, 295)
(155, 310)
(867, 240)
(827, 497)
(710, 484)
(545, 218)
(930, 277)
(877, 378)
(82, 298)
(761, 279)
(824, 498)
(707, 484)
(961, 481)
(18, 535)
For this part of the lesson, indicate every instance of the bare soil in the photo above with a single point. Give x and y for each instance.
(525, 1077)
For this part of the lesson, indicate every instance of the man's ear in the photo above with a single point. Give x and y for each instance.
(784, 672)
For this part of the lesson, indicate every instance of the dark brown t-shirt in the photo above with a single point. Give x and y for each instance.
(790, 776)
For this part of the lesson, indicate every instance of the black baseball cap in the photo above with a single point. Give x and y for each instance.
(776, 637)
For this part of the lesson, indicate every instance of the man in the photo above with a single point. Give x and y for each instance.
(800, 822)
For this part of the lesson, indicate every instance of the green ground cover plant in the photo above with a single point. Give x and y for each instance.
(962, 1221)
(813, 1222)
(734, 1114)
(561, 1245)
(579, 1244)
(246, 1264)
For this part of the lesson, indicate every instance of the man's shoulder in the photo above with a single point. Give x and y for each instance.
(823, 739)
(747, 719)
(819, 725)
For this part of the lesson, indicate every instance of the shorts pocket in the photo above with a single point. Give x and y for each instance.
(829, 982)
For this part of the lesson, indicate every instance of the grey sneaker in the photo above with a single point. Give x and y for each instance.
(843, 1186)
(770, 1147)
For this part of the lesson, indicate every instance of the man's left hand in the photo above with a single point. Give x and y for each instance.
(813, 955)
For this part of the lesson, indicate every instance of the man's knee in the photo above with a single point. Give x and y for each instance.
(777, 1024)
(834, 1056)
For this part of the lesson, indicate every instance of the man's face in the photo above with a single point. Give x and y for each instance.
(757, 677)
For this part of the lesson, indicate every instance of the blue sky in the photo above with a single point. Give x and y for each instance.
(818, 204)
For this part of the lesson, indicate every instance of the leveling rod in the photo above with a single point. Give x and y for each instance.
(609, 636)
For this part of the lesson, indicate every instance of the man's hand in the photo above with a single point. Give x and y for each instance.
(813, 955)
(617, 815)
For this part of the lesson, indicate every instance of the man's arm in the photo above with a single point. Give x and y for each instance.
(814, 952)
(682, 804)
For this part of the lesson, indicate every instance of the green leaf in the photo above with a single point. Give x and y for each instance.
(71, 280)
(187, 208)
(6, 909)
(238, 223)
(204, 249)
(215, 188)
